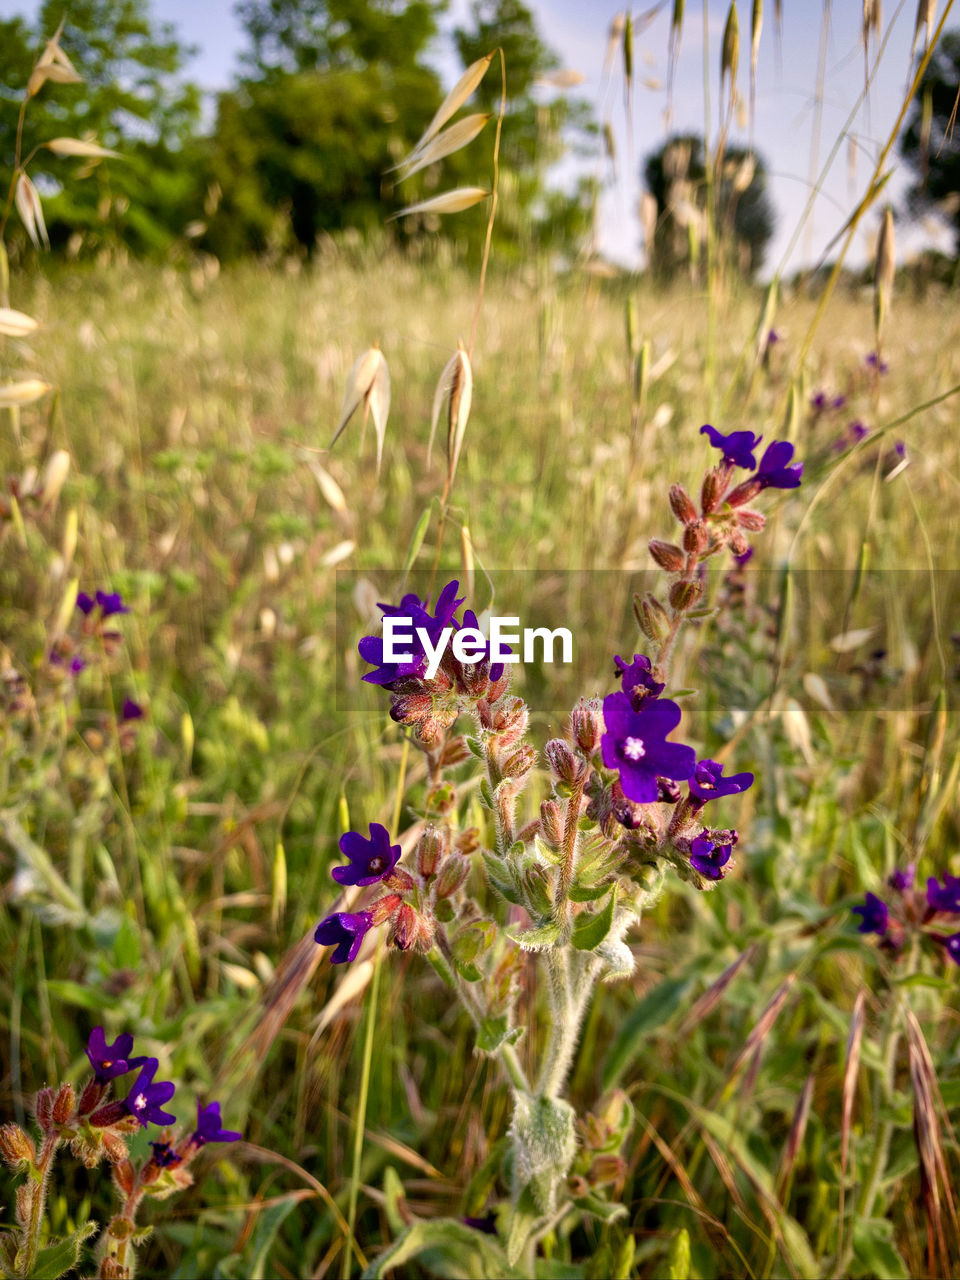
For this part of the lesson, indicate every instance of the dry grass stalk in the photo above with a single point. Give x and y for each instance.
(15, 324)
(928, 1136)
(368, 383)
(730, 53)
(444, 144)
(714, 993)
(456, 385)
(798, 1130)
(764, 1025)
(448, 202)
(885, 272)
(30, 210)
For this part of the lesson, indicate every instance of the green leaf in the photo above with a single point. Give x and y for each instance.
(416, 542)
(588, 893)
(595, 1206)
(57, 1259)
(539, 938)
(394, 1194)
(523, 1219)
(590, 930)
(493, 1033)
(450, 1248)
(874, 1251)
(499, 876)
(678, 1257)
(269, 1221)
(653, 1011)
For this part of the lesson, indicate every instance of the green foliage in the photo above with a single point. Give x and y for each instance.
(930, 143)
(132, 99)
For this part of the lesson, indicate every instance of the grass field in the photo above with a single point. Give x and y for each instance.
(164, 876)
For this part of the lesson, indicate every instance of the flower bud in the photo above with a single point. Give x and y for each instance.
(510, 719)
(744, 493)
(695, 538)
(44, 1109)
(585, 725)
(24, 1203)
(681, 504)
(428, 730)
(711, 492)
(114, 1146)
(755, 521)
(537, 884)
(410, 708)
(119, 1227)
(385, 907)
(452, 875)
(667, 556)
(110, 1114)
(400, 880)
(605, 1169)
(551, 822)
(474, 678)
(499, 687)
(93, 1091)
(455, 752)
(429, 852)
(467, 841)
(651, 618)
(563, 763)
(405, 928)
(124, 1176)
(15, 1145)
(684, 595)
(520, 763)
(738, 543)
(63, 1104)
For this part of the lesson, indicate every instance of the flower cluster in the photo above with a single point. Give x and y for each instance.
(913, 912)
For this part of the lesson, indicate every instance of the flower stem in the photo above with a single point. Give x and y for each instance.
(37, 1202)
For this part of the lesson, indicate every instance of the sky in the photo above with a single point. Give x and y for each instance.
(794, 132)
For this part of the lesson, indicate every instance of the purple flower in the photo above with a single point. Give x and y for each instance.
(145, 1100)
(952, 945)
(131, 710)
(86, 604)
(774, 472)
(874, 362)
(858, 431)
(77, 664)
(109, 1060)
(164, 1155)
(772, 338)
(710, 852)
(345, 931)
(370, 860)
(707, 782)
(946, 898)
(637, 679)
(873, 915)
(110, 602)
(635, 744)
(901, 881)
(737, 447)
(744, 559)
(208, 1126)
(371, 648)
(900, 449)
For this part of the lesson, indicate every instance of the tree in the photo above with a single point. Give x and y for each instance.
(538, 130)
(935, 158)
(675, 176)
(132, 99)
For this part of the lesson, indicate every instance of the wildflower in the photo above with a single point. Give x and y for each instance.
(873, 361)
(635, 744)
(637, 679)
(744, 560)
(952, 945)
(86, 604)
(772, 338)
(131, 710)
(774, 472)
(109, 1060)
(857, 431)
(873, 915)
(370, 860)
(412, 607)
(345, 932)
(737, 447)
(208, 1126)
(110, 602)
(145, 1100)
(711, 851)
(707, 782)
(165, 1156)
(946, 898)
(901, 881)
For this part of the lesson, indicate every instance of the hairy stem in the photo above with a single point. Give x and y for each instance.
(43, 1166)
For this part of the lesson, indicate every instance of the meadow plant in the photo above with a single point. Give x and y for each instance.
(626, 806)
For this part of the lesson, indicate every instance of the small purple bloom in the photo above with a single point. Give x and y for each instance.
(952, 946)
(772, 338)
(345, 931)
(145, 1100)
(371, 648)
(900, 449)
(709, 855)
(819, 401)
(774, 472)
(901, 881)
(839, 402)
(77, 664)
(707, 781)
(873, 915)
(635, 744)
(471, 623)
(858, 431)
(637, 679)
(131, 710)
(208, 1127)
(486, 1224)
(164, 1155)
(370, 860)
(109, 1060)
(737, 447)
(946, 898)
(874, 362)
(110, 602)
(744, 559)
(86, 604)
